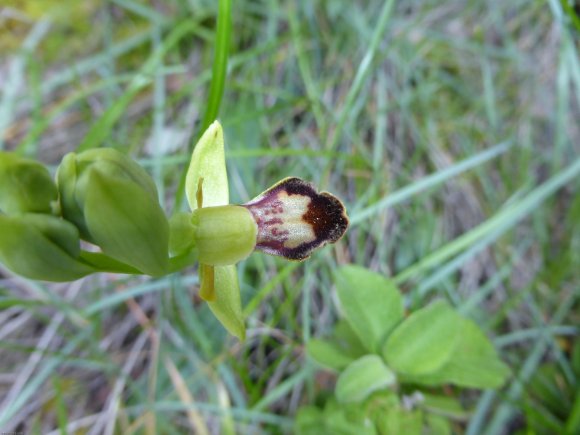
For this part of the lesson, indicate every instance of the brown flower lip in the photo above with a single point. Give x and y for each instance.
(294, 219)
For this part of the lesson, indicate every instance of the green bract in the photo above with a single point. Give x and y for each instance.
(114, 204)
(41, 247)
(25, 185)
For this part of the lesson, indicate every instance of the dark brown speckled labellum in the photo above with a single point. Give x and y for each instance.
(294, 219)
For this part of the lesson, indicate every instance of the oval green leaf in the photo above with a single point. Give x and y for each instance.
(425, 341)
(362, 377)
(371, 304)
(474, 363)
(328, 354)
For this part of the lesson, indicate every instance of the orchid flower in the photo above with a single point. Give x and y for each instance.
(105, 199)
(290, 219)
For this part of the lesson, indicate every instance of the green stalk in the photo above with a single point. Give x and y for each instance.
(218, 81)
(220, 66)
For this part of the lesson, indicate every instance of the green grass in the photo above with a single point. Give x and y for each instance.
(450, 129)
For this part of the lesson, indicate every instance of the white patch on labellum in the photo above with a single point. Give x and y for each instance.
(299, 231)
(281, 220)
(293, 219)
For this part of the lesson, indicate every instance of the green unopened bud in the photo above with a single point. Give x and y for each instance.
(114, 204)
(224, 234)
(42, 247)
(25, 185)
(73, 178)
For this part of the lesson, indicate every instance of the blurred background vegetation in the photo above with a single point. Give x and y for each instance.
(451, 130)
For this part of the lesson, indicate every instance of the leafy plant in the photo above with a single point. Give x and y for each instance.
(391, 368)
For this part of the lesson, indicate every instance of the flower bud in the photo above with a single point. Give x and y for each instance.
(73, 176)
(25, 185)
(113, 202)
(43, 247)
(224, 234)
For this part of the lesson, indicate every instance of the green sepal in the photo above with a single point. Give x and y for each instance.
(25, 185)
(224, 235)
(227, 306)
(208, 163)
(41, 247)
(127, 223)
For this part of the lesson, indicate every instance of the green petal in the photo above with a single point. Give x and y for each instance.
(227, 306)
(208, 162)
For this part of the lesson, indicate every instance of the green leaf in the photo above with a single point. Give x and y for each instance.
(362, 377)
(576, 357)
(28, 251)
(339, 350)
(474, 363)
(127, 223)
(328, 354)
(348, 339)
(208, 163)
(371, 303)
(444, 405)
(400, 421)
(309, 421)
(437, 425)
(227, 306)
(346, 419)
(425, 341)
(573, 422)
